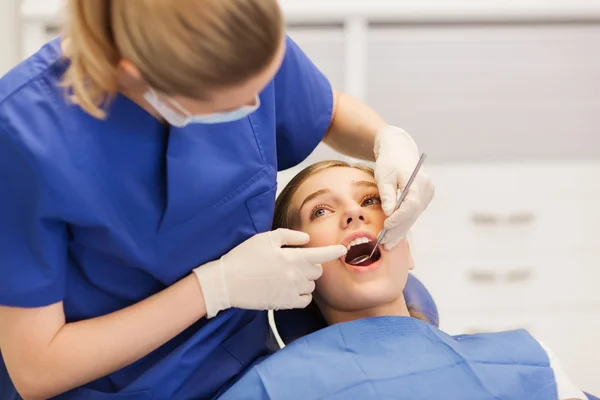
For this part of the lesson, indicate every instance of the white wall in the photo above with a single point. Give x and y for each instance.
(9, 35)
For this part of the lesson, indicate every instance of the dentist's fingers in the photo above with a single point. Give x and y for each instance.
(303, 301)
(320, 255)
(307, 287)
(387, 183)
(288, 237)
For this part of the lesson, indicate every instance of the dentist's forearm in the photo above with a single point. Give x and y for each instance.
(353, 127)
(50, 357)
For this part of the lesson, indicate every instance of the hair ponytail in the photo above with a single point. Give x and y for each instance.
(182, 47)
(91, 77)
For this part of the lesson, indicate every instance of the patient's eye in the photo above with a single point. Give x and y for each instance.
(319, 211)
(371, 200)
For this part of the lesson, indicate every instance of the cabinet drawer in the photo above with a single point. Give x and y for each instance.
(459, 282)
(518, 208)
(456, 283)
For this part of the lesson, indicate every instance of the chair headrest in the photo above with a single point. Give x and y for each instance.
(293, 324)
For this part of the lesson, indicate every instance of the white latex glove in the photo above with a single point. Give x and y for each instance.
(396, 156)
(261, 275)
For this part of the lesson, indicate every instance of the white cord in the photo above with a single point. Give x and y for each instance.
(271, 316)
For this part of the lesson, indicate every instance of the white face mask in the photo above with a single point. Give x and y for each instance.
(182, 117)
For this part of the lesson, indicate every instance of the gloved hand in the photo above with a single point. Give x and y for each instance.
(396, 157)
(261, 275)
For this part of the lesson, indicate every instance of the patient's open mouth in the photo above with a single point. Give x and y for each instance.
(363, 249)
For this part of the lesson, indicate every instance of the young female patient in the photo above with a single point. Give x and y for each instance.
(372, 348)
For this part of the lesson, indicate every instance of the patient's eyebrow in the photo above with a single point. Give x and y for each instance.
(365, 184)
(312, 196)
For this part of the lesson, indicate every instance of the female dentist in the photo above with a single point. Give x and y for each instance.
(138, 164)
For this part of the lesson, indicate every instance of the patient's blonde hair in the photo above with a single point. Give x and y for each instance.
(288, 218)
(182, 47)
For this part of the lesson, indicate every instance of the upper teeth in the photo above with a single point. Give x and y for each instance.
(359, 240)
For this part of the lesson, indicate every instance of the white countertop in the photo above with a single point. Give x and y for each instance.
(396, 10)
(443, 10)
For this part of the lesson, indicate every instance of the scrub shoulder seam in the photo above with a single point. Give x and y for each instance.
(36, 76)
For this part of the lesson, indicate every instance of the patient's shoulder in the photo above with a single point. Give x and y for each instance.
(529, 349)
(566, 389)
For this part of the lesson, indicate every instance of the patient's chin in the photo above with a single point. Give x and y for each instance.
(347, 290)
(369, 296)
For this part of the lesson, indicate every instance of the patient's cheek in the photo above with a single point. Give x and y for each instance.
(319, 238)
(401, 254)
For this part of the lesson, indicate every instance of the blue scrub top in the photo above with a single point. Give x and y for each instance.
(101, 214)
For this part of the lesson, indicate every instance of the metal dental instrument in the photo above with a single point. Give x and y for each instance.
(401, 197)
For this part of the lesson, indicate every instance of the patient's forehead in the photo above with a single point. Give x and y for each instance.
(339, 180)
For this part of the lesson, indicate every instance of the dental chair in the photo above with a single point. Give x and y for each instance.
(293, 324)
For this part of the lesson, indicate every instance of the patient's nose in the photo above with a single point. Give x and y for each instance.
(354, 215)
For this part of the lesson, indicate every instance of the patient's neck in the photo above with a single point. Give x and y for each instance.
(396, 308)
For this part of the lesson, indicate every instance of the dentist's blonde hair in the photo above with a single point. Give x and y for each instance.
(182, 47)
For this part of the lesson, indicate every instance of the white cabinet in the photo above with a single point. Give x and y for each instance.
(490, 92)
(526, 203)
(9, 35)
(40, 22)
(325, 46)
(511, 235)
(506, 246)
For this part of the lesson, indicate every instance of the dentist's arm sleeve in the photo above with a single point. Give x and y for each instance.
(33, 244)
(303, 107)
